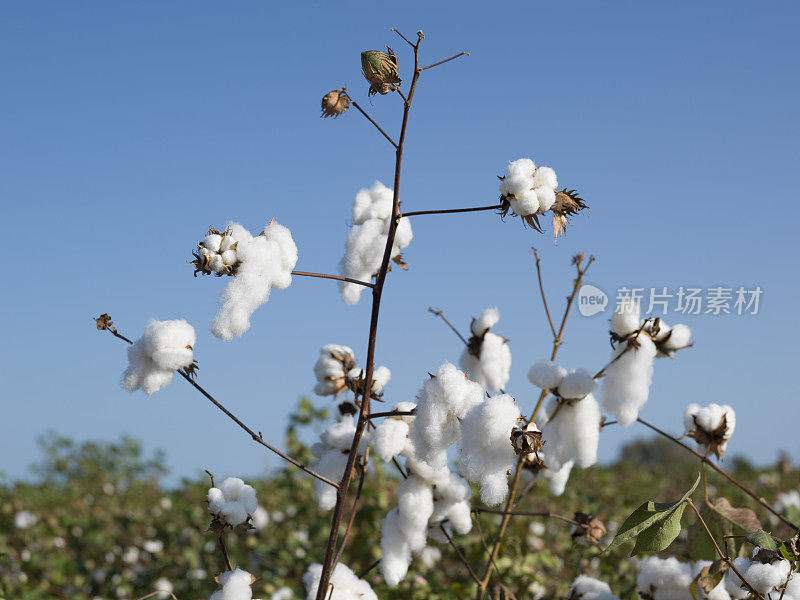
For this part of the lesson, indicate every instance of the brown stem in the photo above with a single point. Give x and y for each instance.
(392, 413)
(377, 291)
(256, 437)
(352, 518)
(722, 555)
(447, 211)
(440, 314)
(369, 568)
(337, 277)
(441, 62)
(581, 271)
(512, 513)
(722, 472)
(378, 127)
(541, 291)
(151, 594)
(414, 46)
(225, 554)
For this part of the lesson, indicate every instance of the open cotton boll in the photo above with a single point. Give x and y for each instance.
(235, 586)
(524, 167)
(152, 359)
(395, 551)
(487, 319)
(764, 577)
(679, 336)
(373, 203)
(333, 450)
(525, 203)
(331, 369)
(546, 374)
(718, 593)
(589, 588)
(558, 478)
(626, 385)
(486, 450)
(710, 426)
(545, 177)
(664, 579)
(265, 261)
(390, 438)
(577, 384)
(344, 584)
(626, 317)
(492, 369)
(442, 401)
(573, 434)
(414, 508)
(233, 501)
(546, 198)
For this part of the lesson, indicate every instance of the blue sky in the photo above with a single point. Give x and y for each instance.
(128, 129)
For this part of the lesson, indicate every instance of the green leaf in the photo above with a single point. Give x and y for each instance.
(661, 533)
(762, 539)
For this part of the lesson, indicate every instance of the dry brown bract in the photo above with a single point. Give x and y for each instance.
(104, 322)
(335, 103)
(568, 203)
(714, 440)
(589, 530)
(526, 438)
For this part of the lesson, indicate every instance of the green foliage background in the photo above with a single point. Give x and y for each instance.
(96, 501)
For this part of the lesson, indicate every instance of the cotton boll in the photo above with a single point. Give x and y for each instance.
(526, 202)
(680, 336)
(545, 177)
(664, 579)
(374, 203)
(212, 242)
(265, 261)
(577, 384)
(390, 438)
(414, 508)
(486, 450)
(521, 167)
(763, 577)
(331, 466)
(229, 257)
(487, 319)
(492, 369)
(460, 517)
(395, 551)
(344, 584)
(626, 318)
(588, 588)
(546, 375)
(546, 198)
(559, 477)
(380, 377)
(225, 244)
(403, 236)
(704, 425)
(626, 385)
(443, 400)
(152, 359)
(233, 501)
(573, 433)
(514, 186)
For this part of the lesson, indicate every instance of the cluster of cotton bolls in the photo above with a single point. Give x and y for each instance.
(487, 357)
(710, 426)
(766, 578)
(235, 586)
(336, 371)
(233, 502)
(527, 188)
(486, 450)
(152, 359)
(332, 452)
(366, 242)
(257, 263)
(570, 421)
(626, 385)
(670, 579)
(344, 584)
(589, 588)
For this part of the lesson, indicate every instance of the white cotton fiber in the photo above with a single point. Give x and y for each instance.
(529, 190)
(442, 401)
(395, 551)
(577, 384)
(718, 593)
(486, 450)
(265, 261)
(626, 385)
(414, 508)
(344, 584)
(664, 579)
(391, 437)
(332, 451)
(492, 368)
(573, 434)
(626, 317)
(152, 359)
(330, 369)
(589, 588)
(558, 478)
(487, 319)
(366, 241)
(679, 336)
(233, 501)
(709, 418)
(235, 586)
(763, 577)
(430, 556)
(546, 374)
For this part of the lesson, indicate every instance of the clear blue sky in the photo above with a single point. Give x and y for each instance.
(126, 130)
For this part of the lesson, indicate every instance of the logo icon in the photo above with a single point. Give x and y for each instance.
(591, 300)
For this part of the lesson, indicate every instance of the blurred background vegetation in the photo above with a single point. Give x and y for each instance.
(96, 521)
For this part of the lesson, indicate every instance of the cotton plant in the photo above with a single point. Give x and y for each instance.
(234, 585)
(711, 426)
(164, 347)
(487, 357)
(629, 374)
(332, 453)
(336, 371)
(256, 263)
(233, 503)
(584, 587)
(528, 191)
(344, 584)
(364, 249)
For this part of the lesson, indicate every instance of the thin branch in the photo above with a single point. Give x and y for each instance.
(445, 211)
(352, 518)
(336, 277)
(225, 554)
(151, 594)
(392, 413)
(460, 555)
(441, 62)
(370, 119)
(512, 513)
(369, 568)
(722, 555)
(722, 472)
(256, 437)
(415, 46)
(439, 314)
(541, 291)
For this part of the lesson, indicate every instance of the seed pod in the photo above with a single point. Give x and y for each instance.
(380, 70)
(335, 102)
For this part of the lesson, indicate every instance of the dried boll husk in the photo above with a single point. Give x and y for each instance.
(380, 70)
(335, 103)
